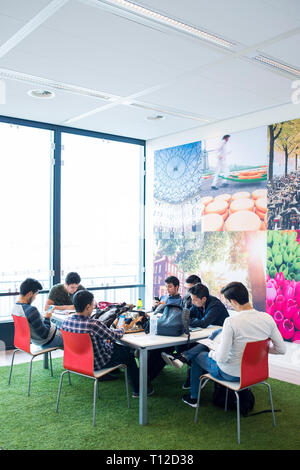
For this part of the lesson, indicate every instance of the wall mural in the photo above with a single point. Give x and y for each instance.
(213, 203)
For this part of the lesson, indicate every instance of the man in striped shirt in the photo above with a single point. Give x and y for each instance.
(42, 331)
(106, 352)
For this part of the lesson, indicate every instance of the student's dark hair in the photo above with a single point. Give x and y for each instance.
(30, 285)
(224, 137)
(236, 291)
(72, 278)
(172, 280)
(199, 290)
(81, 299)
(193, 279)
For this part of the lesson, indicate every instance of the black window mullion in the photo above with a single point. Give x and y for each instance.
(56, 216)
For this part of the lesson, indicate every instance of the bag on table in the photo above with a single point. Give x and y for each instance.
(170, 323)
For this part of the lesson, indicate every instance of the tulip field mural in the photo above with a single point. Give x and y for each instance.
(283, 282)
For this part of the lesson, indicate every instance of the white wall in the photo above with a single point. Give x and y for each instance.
(229, 126)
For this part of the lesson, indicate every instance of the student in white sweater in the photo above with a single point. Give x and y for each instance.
(247, 325)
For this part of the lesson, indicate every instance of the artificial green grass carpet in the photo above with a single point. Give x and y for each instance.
(30, 423)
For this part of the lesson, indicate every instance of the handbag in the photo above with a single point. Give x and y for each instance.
(171, 322)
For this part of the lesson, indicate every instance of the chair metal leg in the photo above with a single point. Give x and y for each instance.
(271, 401)
(126, 383)
(69, 377)
(95, 397)
(59, 388)
(226, 399)
(11, 366)
(51, 368)
(198, 400)
(29, 378)
(238, 416)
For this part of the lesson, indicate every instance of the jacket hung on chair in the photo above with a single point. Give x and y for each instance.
(42, 330)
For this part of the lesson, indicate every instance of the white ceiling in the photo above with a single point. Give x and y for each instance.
(123, 68)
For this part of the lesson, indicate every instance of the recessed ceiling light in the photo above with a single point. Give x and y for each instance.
(44, 94)
(277, 65)
(171, 22)
(157, 117)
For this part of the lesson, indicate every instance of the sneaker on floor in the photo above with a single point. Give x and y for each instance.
(213, 187)
(150, 391)
(190, 401)
(171, 361)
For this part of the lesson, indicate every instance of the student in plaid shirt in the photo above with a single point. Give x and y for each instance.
(106, 352)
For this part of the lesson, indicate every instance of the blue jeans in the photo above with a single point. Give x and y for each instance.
(56, 341)
(202, 363)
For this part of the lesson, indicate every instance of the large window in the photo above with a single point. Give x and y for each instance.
(25, 187)
(78, 206)
(101, 212)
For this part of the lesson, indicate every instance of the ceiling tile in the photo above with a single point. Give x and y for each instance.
(23, 10)
(55, 110)
(129, 121)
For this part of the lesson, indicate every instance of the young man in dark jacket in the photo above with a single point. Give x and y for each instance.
(214, 312)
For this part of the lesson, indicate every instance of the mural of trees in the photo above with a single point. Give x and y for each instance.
(285, 138)
(235, 251)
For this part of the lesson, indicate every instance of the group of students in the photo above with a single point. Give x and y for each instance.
(223, 362)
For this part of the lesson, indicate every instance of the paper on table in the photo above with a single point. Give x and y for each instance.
(208, 342)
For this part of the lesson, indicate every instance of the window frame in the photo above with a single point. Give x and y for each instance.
(55, 205)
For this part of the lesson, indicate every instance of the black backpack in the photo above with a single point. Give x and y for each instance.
(247, 399)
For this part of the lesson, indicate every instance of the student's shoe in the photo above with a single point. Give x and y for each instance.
(150, 392)
(171, 360)
(190, 401)
(213, 187)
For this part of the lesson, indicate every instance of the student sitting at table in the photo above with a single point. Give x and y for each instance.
(155, 361)
(42, 331)
(107, 353)
(224, 361)
(206, 310)
(61, 295)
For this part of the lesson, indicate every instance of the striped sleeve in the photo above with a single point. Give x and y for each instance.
(41, 327)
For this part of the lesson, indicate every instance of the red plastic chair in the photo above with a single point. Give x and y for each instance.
(79, 359)
(254, 370)
(22, 343)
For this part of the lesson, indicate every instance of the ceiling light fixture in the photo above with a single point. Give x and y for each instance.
(43, 94)
(277, 65)
(158, 117)
(171, 22)
(44, 83)
(171, 112)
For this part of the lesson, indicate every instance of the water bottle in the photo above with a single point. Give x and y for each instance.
(121, 321)
(50, 308)
(139, 304)
(153, 325)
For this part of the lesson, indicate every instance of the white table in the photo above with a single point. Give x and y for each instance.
(144, 343)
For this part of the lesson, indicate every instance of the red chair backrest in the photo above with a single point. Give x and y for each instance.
(78, 352)
(255, 364)
(22, 333)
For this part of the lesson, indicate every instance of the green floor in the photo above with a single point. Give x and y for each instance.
(31, 422)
